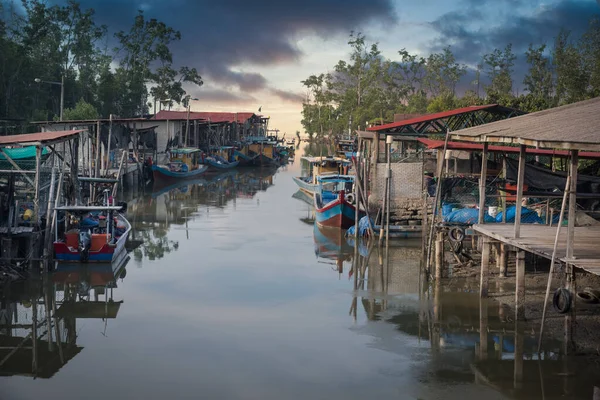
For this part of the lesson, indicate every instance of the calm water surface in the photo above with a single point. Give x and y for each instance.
(232, 293)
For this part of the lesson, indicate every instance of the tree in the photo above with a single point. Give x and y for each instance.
(82, 111)
(538, 81)
(443, 73)
(571, 75)
(499, 68)
(590, 51)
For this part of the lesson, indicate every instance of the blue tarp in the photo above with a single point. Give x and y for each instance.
(363, 227)
(466, 216)
(527, 216)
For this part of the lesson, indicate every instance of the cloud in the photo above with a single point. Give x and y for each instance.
(222, 96)
(220, 38)
(470, 37)
(470, 42)
(287, 96)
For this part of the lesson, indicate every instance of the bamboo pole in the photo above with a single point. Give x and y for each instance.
(49, 209)
(110, 129)
(553, 259)
(438, 190)
(388, 142)
(114, 192)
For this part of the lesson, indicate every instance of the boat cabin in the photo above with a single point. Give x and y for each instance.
(185, 159)
(320, 166)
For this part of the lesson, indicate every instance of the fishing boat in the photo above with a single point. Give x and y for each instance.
(244, 156)
(346, 149)
(266, 152)
(91, 234)
(184, 163)
(339, 212)
(221, 158)
(323, 168)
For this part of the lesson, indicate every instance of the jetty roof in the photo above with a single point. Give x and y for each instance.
(470, 147)
(572, 127)
(213, 117)
(40, 138)
(448, 120)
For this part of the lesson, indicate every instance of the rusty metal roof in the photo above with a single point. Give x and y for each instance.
(430, 117)
(571, 127)
(42, 138)
(213, 117)
(471, 147)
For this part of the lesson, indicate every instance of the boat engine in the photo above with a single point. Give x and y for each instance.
(85, 243)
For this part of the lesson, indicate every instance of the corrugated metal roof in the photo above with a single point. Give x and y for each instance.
(40, 137)
(430, 117)
(465, 146)
(214, 117)
(570, 127)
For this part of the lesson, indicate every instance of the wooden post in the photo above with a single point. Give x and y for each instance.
(572, 204)
(519, 351)
(482, 182)
(97, 154)
(110, 129)
(438, 192)
(36, 199)
(503, 260)
(553, 259)
(485, 267)
(439, 254)
(49, 211)
(504, 193)
(520, 286)
(520, 182)
(483, 329)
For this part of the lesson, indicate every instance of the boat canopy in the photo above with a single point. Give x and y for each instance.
(89, 208)
(185, 150)
(316, 160)
(335, 178)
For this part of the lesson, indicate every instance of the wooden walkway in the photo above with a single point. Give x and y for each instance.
(539, 240)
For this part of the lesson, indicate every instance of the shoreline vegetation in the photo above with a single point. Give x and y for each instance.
(370, 89)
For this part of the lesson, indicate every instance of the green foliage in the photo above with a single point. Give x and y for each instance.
(50, 42)
(499, 68)
(82, 111)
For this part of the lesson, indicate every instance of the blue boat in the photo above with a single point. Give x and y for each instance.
(184, 164)
(221, 158)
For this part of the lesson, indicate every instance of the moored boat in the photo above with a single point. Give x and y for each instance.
(322, 169)
(93, 234)
(184, 163)
(221, 158)
(336, 213)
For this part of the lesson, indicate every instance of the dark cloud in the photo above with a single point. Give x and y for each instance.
(222, 96)
(470, 42)
(221, 36)
(288, 96)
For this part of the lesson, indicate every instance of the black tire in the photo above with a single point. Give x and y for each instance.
(586, 297)
(562, 300)
(456, 234)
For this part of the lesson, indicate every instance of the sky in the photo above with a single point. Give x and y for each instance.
(253, 54)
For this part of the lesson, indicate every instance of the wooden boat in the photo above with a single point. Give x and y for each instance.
(93, 234)
(221, 158)
(331, 244)
(266, 153)
(244, 156)
(322, 168)
(184, 164)
(346, 149)
(337, 213)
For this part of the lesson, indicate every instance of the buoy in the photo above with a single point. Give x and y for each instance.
(350, 198)
(27, 215)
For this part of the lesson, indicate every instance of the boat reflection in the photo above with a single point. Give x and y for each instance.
(155, 213)
(331, 246)
(38, 316)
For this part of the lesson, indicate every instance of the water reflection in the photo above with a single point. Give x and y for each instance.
(38, 317)
(157, 212)
(469, 339)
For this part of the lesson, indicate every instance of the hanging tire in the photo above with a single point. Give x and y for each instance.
(562, 300)
(456, 234)
(350, 198)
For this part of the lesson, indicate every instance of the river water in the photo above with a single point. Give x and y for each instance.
(231, 292)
